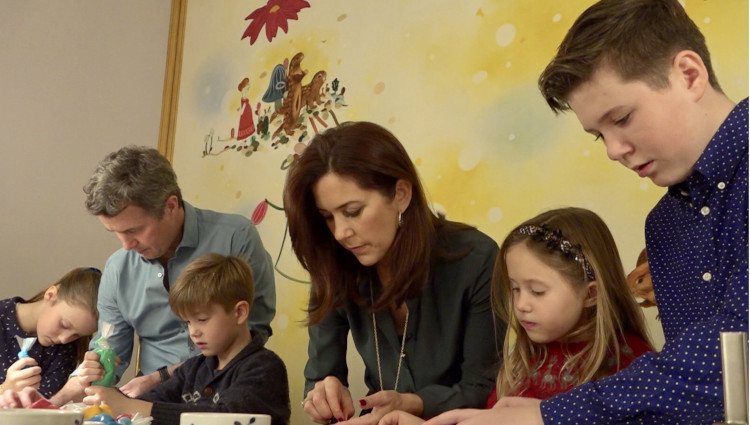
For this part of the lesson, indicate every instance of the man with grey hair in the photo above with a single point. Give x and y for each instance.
(134, 193)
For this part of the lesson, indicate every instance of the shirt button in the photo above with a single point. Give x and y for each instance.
(208, 391)
(160, 274)
(721, 185)
(705, 210)
(707, 276)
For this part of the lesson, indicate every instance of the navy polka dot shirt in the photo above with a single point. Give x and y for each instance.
(696, 238)
(57, 361)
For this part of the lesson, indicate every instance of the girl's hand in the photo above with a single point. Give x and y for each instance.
(384, 402)
(329, 399)
(23, 373)
(11, 399)
(454, 416)
(399, 417)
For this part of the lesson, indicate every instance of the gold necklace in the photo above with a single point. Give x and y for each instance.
(401, 354)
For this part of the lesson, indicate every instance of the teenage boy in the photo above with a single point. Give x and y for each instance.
(233, 373)
(638, 76)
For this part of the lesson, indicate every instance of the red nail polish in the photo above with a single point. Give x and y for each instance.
(362, 403)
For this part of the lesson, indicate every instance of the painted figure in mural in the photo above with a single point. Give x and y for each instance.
(43, 338)
(411, 287)
(637, 74)
(246, 127)
(134, 193)
(560, 286)
(277, 85)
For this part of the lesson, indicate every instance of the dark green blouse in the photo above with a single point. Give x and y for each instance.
(452, 342)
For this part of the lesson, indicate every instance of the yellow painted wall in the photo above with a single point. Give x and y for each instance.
(455, 81)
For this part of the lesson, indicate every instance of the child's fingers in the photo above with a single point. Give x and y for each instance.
(90, 355)
(22, 363)
(28, 396)
(9, 400)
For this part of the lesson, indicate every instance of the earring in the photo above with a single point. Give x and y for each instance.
(400, 219)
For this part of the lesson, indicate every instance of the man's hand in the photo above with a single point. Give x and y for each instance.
(141, 384)
(23, 373)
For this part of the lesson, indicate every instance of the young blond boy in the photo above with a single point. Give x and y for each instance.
(637, 74)
(234, 372)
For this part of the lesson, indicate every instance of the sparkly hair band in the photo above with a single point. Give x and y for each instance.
(555, 241)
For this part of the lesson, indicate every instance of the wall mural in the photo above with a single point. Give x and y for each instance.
(454, 81)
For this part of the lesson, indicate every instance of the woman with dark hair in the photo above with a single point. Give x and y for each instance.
(412, 287)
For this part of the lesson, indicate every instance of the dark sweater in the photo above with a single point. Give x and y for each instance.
(255, 381)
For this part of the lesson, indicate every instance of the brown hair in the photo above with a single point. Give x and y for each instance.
(638, 39)
(79, 287)
(614, 314)
(212, 279)
(373, 157)
(245, 81)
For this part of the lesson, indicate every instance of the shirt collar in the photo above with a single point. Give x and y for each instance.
(708, 172)
(190, 233)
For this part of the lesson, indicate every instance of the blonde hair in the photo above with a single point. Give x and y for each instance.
(80, 288)
(614, 314)
(212, 279)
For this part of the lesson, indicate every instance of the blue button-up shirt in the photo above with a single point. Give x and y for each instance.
(696, 238)
(133, 298)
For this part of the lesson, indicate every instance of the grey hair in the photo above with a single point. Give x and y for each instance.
(133, 175)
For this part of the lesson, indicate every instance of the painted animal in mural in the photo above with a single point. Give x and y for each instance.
(292, 104)
(640, 283)
(312, 93)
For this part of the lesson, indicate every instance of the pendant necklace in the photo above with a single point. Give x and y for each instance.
(401, 354)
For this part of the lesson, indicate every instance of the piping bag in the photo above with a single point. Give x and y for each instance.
(106, 354)
(25, 344)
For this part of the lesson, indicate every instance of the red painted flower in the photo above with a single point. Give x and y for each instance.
(273, 15)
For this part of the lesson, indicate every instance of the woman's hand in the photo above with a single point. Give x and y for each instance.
(384, 402)
(11, 399)
(329, 399)
(23, 373)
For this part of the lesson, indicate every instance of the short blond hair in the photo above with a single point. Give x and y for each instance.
(212, 279)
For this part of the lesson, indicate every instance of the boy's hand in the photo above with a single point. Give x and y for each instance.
(399, 417)
(23, 373)
(454, 416)
(90, 369)
(11, 399)
(117, 401)
(141, 384)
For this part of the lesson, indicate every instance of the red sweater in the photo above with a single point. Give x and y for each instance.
(547, 382)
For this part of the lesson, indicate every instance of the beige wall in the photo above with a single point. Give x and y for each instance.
(77, 80)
